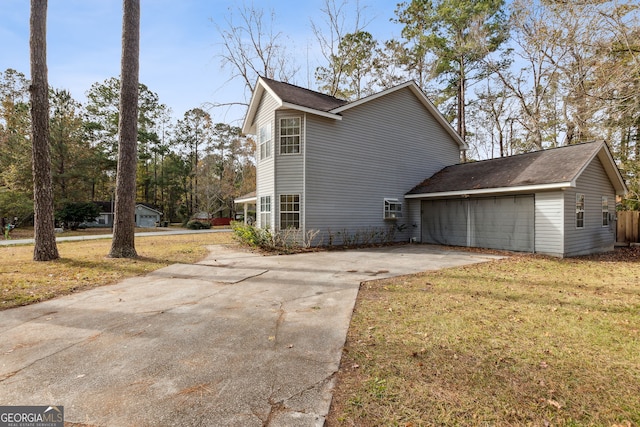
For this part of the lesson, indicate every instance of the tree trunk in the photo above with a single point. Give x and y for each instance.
(45, 248)
(123, 243)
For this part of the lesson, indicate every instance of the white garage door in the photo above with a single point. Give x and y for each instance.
(493, 222)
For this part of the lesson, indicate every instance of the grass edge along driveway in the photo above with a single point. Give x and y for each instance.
(527, 340)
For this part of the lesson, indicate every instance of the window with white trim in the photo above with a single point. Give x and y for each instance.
(392, 209)
(265, 211)
(605, 211)
(579, 210)
(290, 135)
(264, 138)
(289, 211)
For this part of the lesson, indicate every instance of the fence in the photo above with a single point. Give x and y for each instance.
(628, 228)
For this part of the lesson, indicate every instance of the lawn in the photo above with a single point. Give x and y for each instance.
(527, 340)
(84, 264)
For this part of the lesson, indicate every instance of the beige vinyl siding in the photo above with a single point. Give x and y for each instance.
(549, 224)
(265, 174)
(380, 149)
(594, 184)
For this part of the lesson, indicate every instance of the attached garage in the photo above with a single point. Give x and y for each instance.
(554, 202)
(505, 222)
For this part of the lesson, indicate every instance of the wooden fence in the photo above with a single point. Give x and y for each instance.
(628, 228)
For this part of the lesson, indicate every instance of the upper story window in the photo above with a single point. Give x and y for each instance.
(264, 138)
(605, 211)
(392, 209)
(290, 135)
(579, 210)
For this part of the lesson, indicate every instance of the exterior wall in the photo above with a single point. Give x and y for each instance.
(594, 184)
(549, 223)
(289, 178)
(265, 173)
(381, 149)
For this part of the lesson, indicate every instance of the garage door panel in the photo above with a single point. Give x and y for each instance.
(493, 222)
(444, 222)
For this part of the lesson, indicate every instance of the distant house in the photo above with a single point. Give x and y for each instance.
(146, 216)
(348, 168)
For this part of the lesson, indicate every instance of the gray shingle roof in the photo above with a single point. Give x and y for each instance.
(304, 97)
(550, 166)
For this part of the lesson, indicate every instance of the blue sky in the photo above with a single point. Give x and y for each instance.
(179, 45)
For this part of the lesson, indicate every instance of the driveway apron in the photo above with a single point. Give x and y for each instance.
(238, 339)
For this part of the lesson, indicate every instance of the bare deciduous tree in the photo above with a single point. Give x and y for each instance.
(252, 48)
(45, 240)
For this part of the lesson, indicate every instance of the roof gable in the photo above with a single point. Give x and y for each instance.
(301, 99)
(552, 168)
(291, 96)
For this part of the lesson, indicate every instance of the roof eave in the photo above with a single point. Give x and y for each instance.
(249, 126)
(422, 97)
(500, 190)
(321, 113)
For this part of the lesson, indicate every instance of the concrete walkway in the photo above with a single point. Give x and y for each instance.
(236, 340)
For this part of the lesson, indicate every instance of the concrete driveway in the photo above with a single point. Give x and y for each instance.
(238, 339)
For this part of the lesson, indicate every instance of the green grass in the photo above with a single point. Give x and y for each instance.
(522, 341)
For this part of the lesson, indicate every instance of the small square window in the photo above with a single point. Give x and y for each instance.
(392, 209)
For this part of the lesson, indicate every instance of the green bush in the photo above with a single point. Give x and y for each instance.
(253, 236)
(198, 225)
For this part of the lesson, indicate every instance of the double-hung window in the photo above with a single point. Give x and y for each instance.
(289, 211)
(392, 209)
(264, 138)
(265, 211)
(579, 210)
(290, 135)
(605, 211)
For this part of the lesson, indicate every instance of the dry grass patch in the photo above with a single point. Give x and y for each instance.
(84, 265)
(523, 341)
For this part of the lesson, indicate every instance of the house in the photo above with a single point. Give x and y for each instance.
(352, 169)
(146, 215)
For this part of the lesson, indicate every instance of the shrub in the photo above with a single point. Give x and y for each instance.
(72, 214)
(253, 236)
(198, 225)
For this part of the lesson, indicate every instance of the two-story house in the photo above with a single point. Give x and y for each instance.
(353, 170)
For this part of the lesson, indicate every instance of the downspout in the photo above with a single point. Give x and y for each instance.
(304, 181)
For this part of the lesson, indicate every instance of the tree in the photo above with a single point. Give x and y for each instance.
(193, 133)
(74, 213)
(458, 34)
(45, 248)
(103, 114)
(251, 48)
(73, 160)
(123, 243)
(350, 68)
(340, 44)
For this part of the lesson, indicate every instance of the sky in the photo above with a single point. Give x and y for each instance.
(180, 45)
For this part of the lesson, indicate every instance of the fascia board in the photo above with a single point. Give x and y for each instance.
(487, 191)
(310, 110)
(248, 126)
(422, 97)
